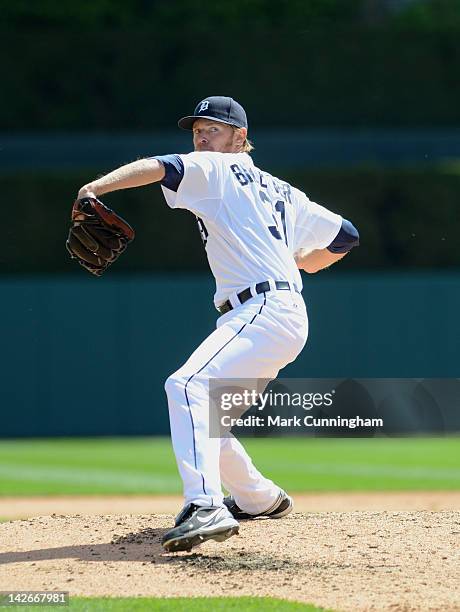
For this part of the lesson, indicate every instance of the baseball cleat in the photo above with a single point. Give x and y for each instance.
(282, 507)
(197, 524)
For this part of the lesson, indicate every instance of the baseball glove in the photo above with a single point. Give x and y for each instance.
(97, 236)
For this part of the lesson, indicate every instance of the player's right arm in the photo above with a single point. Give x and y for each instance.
(136, 174)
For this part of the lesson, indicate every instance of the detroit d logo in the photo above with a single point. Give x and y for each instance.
(203, 106)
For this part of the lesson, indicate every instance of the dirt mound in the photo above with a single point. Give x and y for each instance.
(345, 561)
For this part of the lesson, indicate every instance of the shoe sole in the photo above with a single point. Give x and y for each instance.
(188, 541)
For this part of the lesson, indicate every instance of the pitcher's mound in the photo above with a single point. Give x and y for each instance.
(345, 561)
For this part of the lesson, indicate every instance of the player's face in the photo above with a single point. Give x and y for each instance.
(214, 136)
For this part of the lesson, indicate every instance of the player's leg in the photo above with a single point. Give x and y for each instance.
(250, 489)
(254, 341)
(197, 454)
(204, 515)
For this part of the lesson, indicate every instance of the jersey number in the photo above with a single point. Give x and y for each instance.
(279, 208)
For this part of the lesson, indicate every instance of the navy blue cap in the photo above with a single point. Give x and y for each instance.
(216, 108)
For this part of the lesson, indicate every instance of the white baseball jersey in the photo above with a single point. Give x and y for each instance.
(251, 222)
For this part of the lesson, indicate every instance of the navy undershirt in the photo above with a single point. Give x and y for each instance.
(174, 170)
(346, 239)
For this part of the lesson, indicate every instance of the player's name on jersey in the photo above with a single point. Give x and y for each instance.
(246, 175)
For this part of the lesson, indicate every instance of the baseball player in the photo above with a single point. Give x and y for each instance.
(258, 231)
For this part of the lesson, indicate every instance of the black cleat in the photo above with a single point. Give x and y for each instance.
(197, 524)
(282, 507)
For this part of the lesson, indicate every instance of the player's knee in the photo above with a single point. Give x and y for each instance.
(174, 383)
(193, 388)
(170, 384)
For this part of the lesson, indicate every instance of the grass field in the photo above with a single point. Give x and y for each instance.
(147, 465)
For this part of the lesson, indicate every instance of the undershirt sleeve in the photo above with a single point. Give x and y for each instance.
(346, 239)
(174, 170)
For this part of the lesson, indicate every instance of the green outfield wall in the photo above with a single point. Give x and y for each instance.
(84, 356)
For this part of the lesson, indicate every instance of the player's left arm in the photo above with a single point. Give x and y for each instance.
(316, 260)
(346, 239)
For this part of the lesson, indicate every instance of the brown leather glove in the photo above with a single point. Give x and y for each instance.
(97, 236)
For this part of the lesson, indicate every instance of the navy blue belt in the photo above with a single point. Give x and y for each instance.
(247, 294)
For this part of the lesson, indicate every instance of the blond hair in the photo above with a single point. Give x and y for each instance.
(247, 146)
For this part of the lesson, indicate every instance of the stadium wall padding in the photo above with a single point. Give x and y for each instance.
(86, 356)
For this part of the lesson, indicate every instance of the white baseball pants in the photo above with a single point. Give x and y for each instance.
(254, 340)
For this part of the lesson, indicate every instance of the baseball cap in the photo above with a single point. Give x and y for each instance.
(217, 108)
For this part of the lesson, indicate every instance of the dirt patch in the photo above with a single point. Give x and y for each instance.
(27, 507)
(352, 561)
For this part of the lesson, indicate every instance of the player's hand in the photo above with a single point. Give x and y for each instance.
(86, 192)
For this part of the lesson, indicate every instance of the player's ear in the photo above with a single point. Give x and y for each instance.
(240, 136)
